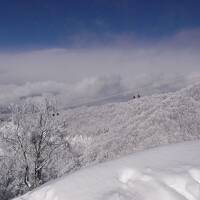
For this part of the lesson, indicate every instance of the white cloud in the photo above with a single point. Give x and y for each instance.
(94, 89)
(68, 94)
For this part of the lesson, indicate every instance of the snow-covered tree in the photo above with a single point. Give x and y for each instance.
(36, 135)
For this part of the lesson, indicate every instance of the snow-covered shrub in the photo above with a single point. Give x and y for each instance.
(10, 186)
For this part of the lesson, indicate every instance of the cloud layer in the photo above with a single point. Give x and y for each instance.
(87, 73)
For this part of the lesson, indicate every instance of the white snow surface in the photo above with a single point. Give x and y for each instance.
(164, 173)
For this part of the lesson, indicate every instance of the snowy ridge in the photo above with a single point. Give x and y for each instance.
(168, 173)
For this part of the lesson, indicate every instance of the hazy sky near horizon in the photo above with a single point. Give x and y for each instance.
(178, 54)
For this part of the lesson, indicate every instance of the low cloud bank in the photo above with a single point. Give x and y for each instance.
(68, 94)
(94, 89)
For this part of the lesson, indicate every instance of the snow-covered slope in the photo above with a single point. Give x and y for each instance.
(117, 129)
(165, 173)
(101, 133)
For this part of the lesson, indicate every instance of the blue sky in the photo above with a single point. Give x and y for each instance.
(64, 23)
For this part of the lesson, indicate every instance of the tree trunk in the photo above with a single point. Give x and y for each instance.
(27, 177)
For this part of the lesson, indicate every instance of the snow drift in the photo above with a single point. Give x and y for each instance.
(167, 173)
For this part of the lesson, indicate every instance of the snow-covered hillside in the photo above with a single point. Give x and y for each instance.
(168, 173)
(113, 130)
(101, 133)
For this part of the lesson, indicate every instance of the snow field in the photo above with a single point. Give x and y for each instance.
(166, 173)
